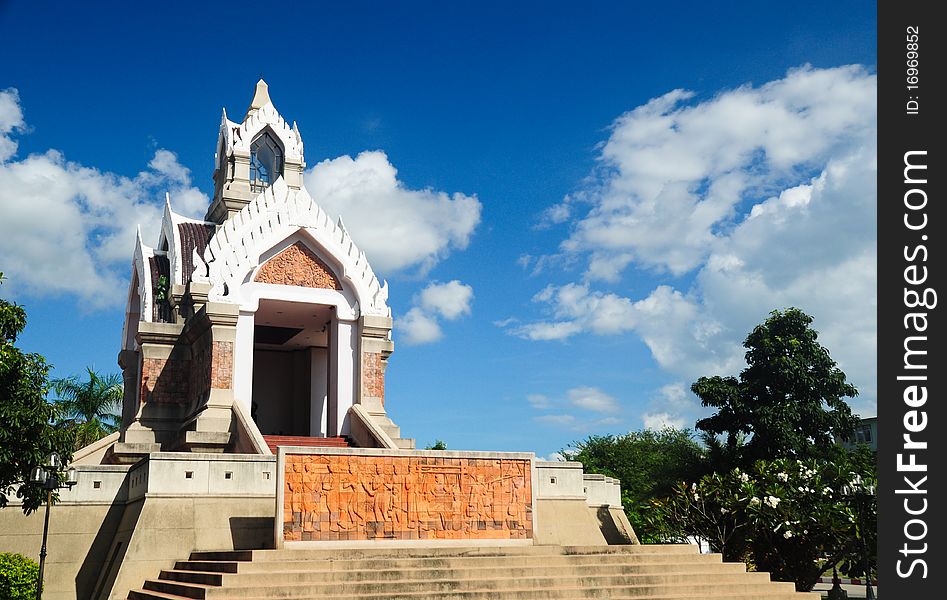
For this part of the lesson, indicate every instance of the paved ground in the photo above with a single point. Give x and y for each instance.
(854, 591)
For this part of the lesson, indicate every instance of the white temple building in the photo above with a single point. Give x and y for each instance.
(263, 319)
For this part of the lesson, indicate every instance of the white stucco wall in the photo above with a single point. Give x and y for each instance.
(344, 349)
(319, 392)
(243, 361)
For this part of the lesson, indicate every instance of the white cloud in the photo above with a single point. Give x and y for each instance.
(586, 398)
(418, 327)
(767, 193)
(68, 228)
(11, 119)
(591, 398)
(574, 423)
(450, 300)
(538, 401)
(563, 420)
(398, 228)
(662, 420)
(674, 406)
(556, 214)
(576, 308)
(674, 174)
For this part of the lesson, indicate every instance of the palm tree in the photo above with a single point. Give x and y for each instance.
(89, 407)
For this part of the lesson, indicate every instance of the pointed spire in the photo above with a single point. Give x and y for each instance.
(261, 97)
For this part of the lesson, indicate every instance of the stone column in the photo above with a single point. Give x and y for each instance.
(210, 334)
(376, 347)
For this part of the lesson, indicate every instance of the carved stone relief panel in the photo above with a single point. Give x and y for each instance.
(298, 265)
(346, 497)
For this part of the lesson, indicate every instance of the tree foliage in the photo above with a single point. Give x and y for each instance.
(18, 575)
(792, 518)
(88, 406)
(790, 400)
(26, 432)
(649, 463)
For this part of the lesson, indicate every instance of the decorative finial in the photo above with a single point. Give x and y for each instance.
(261, 97)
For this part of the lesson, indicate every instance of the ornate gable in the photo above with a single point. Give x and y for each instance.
(298, 265)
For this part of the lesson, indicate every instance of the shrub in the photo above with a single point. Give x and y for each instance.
(17, 577)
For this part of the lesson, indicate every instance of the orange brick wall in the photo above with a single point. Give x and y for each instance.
(355, 497)
(182, 380)
(373, 374)
(164, 381)
(221, 367)
(298, 265)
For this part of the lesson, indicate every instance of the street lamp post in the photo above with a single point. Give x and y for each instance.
(862, 495)
(866, 492)
(47, 477)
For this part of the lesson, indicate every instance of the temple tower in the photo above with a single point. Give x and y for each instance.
(264, 318)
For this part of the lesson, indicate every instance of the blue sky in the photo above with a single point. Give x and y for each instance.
(611, 238)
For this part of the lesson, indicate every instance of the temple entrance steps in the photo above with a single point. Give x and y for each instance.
(274, 441)
(645, 572)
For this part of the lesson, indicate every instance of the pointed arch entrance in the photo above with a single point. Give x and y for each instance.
(297, 342)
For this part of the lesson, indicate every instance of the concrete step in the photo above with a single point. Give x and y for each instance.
(482, 566)
(629, 585)
(593, 574)
(151, 595)
(512, 591)
(512, 594)
(617, 560)
(625, 563)
(274, 441)
(651, 572)
(370, 553)
(563, 594)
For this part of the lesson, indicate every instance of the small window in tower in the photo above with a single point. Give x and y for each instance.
(266, 161)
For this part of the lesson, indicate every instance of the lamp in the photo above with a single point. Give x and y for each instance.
(48, 478)
(861, 494)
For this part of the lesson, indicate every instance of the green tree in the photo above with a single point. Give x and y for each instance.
(26, 432)
(88, 406)
(789, 401)
(649, 464)
(437, 445)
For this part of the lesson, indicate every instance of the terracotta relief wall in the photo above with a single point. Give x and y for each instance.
(355, 497)
(298, 265)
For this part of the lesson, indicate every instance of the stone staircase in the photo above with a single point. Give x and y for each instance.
(647, 572)
(274, 441)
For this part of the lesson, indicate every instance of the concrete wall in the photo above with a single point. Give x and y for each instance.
(81, 527)
(120, 525)
(577, 509)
